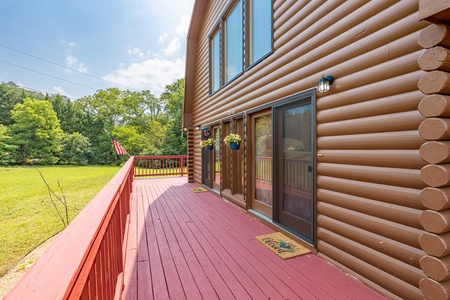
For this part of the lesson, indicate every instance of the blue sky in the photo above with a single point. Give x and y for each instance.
(136, 44)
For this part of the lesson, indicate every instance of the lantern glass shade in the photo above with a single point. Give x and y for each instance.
(324, 84)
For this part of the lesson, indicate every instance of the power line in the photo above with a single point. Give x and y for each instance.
(44, 92)
(59, 78)
(62, 66)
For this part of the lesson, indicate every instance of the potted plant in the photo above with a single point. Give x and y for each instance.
(234, 140)
(208, 143)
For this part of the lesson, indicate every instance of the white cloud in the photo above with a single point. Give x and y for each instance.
(173, 47)
(133, 51)
(152, 74)
(59, 90)
(162, 38)
(183, 27)
(162, 62)
(72, 63)
(67, 44)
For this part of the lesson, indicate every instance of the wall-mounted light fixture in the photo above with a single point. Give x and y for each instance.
(198, 127)
(324, 84)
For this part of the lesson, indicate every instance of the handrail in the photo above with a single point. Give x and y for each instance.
(168, 165)
(86, 260)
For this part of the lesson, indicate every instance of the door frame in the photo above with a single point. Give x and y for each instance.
(216, 153)
(209, 155)
(277, 189)
(258, 206)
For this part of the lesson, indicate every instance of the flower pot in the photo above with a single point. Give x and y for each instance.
(234, 146)
(209, 147)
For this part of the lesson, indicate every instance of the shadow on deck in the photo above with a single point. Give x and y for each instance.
(186, 245)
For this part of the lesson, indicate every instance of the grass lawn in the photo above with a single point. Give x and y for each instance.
(27, 215)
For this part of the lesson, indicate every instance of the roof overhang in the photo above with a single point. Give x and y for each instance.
(191, 59)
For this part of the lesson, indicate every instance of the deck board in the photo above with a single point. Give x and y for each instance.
(185, 245)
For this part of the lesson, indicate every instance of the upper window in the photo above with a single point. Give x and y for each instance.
(215, 61)
(242, 38)
(260, 29)
(234, 42)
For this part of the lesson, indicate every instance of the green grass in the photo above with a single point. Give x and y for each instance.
(27, 216)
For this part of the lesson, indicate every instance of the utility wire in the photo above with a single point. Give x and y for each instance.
(82, 85)
(62, 66)
(41, 91)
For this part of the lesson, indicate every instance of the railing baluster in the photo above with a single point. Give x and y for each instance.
(156, 166)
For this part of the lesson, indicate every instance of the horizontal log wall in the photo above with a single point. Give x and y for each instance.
(368, 177)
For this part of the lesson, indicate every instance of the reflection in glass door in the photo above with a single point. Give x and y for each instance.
(262, 164)
(294, 170)
(238, 161)
(206, 159)
(216, 159)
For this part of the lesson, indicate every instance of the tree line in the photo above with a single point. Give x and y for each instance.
(53, 129)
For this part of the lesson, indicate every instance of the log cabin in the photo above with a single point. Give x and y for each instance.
(344, 112)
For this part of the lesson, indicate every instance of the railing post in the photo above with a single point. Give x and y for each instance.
(182, 166)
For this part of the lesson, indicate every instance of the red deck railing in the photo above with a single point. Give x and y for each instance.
(150, 166)
(86, 261)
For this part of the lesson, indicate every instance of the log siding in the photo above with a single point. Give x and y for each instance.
(435, 129)
(383, 131)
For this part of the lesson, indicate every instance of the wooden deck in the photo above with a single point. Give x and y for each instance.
(186, 245)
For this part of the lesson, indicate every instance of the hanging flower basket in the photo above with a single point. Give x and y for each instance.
(208, 143)
(234, 140)
(235, 146)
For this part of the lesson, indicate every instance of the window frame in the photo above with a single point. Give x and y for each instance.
(225, 40)
(217, 32)
(220, 31)
(248, 35)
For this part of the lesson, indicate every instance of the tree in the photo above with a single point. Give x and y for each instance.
(130, 139)
(155, 139)
(176, 141)
(76, 149)
(154, 105)
(72, 117)
(106, 105)
(37, 132)
(6, 148)
(10, 95)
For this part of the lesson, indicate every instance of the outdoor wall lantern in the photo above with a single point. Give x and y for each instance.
(198, 127)
(324, 84)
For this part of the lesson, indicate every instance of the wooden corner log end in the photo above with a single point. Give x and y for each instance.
(435, 152)
(436, 175)
(436, 58)
(433, 35)
(435, 129)
(432, 289)
(435, 82)
(435, 222)
(437, 199)
(435, 245)
(435, 105)
(435, 267)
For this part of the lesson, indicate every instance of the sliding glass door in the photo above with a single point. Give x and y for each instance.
(294, 167)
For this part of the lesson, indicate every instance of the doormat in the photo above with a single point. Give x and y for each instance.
(199, 190)
(281, 245)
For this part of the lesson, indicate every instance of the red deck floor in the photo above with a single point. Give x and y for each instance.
(186, 245)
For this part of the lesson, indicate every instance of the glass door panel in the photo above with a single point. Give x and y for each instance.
(206, 167)
(226, 159)
(294, 170)
(262, 163)
(238, 161)
(216, 155)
